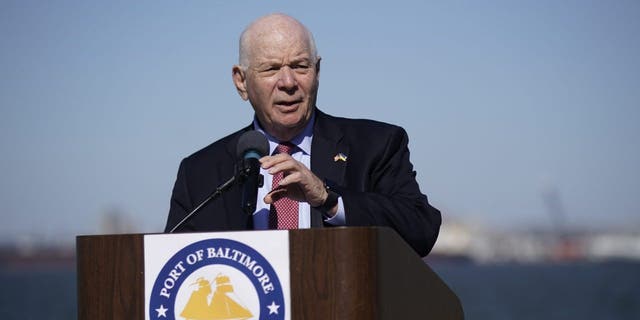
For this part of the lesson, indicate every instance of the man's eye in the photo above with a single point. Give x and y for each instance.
(271, 69)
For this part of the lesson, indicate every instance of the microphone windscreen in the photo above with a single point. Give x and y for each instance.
(252, 141)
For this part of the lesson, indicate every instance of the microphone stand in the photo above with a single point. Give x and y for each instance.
(243, 173)
(219, 190)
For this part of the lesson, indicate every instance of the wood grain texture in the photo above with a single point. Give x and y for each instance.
(110, 277)
(364, 273)
(332, 272)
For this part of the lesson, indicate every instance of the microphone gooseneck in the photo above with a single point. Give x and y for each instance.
(219, 190)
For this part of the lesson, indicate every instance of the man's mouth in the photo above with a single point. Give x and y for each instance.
(288, 103)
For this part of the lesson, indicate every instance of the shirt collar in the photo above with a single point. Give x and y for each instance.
(302, 140)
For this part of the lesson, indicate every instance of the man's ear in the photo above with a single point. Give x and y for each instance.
(318, 67)
(240, 81)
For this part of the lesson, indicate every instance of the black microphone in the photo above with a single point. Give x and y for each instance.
(252, 146)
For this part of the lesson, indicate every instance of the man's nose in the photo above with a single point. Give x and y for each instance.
(287, 81)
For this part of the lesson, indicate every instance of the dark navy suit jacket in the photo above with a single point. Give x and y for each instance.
(376, 182)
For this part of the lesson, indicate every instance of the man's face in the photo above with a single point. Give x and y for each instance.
(281, 82)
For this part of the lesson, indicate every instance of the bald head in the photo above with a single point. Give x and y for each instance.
(273, 27)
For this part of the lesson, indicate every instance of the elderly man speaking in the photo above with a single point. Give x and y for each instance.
(321, 170)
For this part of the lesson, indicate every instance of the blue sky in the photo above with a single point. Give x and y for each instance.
(99, 101)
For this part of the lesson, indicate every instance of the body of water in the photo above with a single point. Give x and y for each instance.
(609, 290)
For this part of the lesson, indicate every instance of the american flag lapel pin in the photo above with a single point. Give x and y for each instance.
(340, 157)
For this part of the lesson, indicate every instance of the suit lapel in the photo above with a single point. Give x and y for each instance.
(327, 143)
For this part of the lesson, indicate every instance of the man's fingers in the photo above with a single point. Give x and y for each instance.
(291, 178)
(269, 161)
(297, 183)
(287, 166)
(275, 195)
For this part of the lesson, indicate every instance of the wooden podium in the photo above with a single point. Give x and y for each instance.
(336, 273)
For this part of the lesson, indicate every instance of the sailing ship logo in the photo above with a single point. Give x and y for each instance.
(217, 279)
(221, 305)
